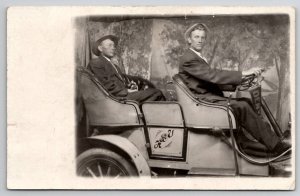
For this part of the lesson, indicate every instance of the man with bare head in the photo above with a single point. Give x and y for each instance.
(207, 84)
(114, 81)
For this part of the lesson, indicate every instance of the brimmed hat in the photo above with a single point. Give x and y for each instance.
(95, 49)
(193, 27)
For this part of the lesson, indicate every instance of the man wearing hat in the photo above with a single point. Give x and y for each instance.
(207, 83)
(111, 77)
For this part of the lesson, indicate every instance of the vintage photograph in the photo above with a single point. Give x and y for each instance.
(151, 98)
(184, 95)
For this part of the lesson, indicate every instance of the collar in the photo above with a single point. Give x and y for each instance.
(199, 54)
(106, 58)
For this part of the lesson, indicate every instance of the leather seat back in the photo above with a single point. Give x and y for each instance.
(102, 108)
(198, 113)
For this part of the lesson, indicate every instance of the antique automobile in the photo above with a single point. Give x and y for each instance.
(168, 138)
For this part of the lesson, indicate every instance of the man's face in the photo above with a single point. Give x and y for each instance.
(197, 39)
(107, 48)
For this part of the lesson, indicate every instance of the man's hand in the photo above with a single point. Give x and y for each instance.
(145, 87)
(254, 70)
(132, 87)
(132, 90)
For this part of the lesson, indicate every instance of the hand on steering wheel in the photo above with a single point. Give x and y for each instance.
(250, 78)
(253, 71)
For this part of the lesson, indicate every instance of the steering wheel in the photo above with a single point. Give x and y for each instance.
(250, 81)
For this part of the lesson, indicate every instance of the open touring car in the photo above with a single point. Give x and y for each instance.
(184, 137)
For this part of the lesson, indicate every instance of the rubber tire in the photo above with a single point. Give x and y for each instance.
(106, 154)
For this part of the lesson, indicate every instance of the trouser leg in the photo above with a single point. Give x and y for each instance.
(150, 94)
(254, 124)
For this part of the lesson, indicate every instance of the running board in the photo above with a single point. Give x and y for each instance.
(212, 171)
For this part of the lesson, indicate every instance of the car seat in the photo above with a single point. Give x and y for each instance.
(102, 108)
(199, 113)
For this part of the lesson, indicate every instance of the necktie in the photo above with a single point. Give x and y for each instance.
(117, 70)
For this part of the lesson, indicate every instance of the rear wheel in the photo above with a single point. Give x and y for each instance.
(98, 163)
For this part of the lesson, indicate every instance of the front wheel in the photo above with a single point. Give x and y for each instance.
(97, 163)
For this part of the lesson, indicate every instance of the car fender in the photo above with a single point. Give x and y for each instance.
(126, 147)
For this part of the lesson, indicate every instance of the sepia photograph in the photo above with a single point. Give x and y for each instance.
(183, 95)
(157, 97)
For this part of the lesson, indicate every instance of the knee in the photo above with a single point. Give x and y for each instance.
(244, 105)
(248, 101)
(156, 91)
(159, 94)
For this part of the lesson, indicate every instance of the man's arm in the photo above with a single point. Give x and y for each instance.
(227, 87)
(202, 71)
(108, 82)
(141, 82)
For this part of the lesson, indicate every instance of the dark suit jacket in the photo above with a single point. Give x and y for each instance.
(107, 75)
(204, 81)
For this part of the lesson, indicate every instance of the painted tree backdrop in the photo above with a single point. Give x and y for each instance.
(150, 47)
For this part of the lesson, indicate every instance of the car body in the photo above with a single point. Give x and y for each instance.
(184, 136)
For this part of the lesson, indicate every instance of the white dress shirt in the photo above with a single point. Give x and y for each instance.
(199, 54)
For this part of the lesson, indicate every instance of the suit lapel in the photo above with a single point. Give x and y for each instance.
(113, 68)
(197, 56)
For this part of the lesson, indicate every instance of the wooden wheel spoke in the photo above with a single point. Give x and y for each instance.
(100, 163)
(108, 171)
(100, 170)
(91, 172)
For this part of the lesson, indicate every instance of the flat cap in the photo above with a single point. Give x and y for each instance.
(194, 27)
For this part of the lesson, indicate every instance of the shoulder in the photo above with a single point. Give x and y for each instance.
(98, 62)
(188, 56)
